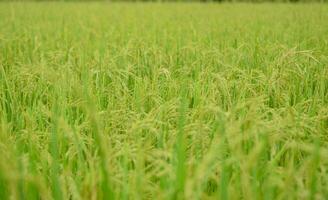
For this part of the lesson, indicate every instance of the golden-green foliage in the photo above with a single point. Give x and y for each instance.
(163, 101)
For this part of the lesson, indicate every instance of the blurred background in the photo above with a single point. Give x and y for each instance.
(205, 1)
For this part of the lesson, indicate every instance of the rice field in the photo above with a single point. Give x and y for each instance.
(163, 101)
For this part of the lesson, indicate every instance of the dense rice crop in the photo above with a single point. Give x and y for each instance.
(163, 101)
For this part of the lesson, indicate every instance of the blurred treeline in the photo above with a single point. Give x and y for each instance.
(258, 1)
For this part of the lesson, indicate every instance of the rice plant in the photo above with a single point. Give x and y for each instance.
(163, 101)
